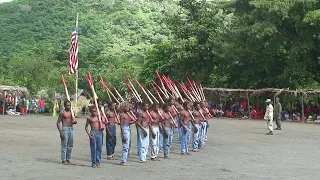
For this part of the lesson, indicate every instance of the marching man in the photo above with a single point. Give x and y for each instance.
(269, 116)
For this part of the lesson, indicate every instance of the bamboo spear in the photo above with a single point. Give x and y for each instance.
(164, 89)
(108, 90)
(135, 91)
(117, 92)
(157, 92)
(68, 98)
(144, 91)
(95, 97)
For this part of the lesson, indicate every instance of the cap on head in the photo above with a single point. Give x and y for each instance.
(268, 100)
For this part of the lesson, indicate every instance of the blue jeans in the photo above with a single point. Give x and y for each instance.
(185, 138)
(138, 142)
(125, 145)
(166, 144)
(111, 141)
(207, 130)
(202, 135)
(41, 110)
(179, 126)
(154, 142)
(196, 137)
(160, 139)
(67, 143)
(170, 136)
(96, 147)
(144, 144)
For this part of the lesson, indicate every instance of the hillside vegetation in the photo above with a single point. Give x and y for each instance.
(224, 43)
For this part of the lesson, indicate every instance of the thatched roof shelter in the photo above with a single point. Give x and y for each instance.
(226, 93)
(81, 93)
(13, 90)
(256, 92)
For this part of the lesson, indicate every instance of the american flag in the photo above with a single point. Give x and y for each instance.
(73, 54)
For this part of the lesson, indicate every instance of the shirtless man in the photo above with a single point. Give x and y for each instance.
(196, 134)
(179, 107)
(155, 132)
(64, 125)
(174, 113)
(166, 126)
(160, 111)
(204, 106)
(185, 130)
(143, 130)
(111, 138)
(95, 136)
(125, 122)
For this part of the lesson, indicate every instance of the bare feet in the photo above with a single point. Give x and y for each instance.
(99, 166)
(155, 159)
(167, 157)
(94, 166)
(143, 161)
(183, 153)
(188, 153)
(160, 151)
(69, 163)
(64, 162)
(172, 148)
(124, 164)
(196, 150)
(111, 158)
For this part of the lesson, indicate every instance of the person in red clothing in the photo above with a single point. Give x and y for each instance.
(41, 104)
(254, 114)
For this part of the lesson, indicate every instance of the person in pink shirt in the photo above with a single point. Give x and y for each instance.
(41, 104)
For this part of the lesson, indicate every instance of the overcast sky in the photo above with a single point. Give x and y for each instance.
(5, 1)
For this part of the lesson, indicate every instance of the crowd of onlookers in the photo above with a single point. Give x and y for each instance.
(240, 109)
(22, 106)
(230, 109)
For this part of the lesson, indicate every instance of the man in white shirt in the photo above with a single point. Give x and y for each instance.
(269, 116)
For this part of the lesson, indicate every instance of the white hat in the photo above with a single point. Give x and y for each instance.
(268, 100)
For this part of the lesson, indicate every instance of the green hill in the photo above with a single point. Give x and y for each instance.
(113, 38)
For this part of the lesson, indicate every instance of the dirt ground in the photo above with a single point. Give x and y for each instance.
(237, 149)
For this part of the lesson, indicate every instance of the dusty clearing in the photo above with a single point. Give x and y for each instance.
(237, 149)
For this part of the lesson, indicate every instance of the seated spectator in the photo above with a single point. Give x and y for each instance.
(307, 111)
(22, 111)
(261, 114)
(229, 114)
(220, 112)
(254, 114)
(286, 116)
(282, 115)
(296, 116)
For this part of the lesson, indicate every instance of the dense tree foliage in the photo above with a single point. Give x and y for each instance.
(242, 43)
(224, 43)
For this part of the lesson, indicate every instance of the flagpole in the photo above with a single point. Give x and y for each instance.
(76, 100)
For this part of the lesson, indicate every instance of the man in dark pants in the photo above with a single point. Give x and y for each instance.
(111, 138)
(277, 113)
